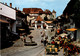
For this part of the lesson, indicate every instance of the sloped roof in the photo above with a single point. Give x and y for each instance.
(47, 11)
(54, 11)
(7, 6)
(3, 21)
(32, 10)
(39, 19)
(48, 21)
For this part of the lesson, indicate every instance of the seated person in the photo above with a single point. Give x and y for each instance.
(65, 37)
(53, 42)
(60, 37)
(52, 37)
(56, 45)
(61, 43)
(21, 37)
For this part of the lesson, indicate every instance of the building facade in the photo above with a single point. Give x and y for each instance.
(33, 13)
(7, 22)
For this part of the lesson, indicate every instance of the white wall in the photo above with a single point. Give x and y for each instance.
(7, 11)
(54, 15)
(78, 34)
(42, 16)
(33, 14)
(48, 16)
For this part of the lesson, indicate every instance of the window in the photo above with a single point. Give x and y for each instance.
(0, 8)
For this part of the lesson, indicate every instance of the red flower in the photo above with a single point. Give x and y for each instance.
(69, 53)
(53, 42)
(77, 53)
(73, 48)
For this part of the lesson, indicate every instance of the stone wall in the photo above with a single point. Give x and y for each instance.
(78, 34)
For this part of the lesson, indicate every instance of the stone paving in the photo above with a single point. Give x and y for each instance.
(37, 38)
(13, 49)
(60, 53)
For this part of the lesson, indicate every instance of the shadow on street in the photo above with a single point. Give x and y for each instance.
(6, 44)
(52, 53)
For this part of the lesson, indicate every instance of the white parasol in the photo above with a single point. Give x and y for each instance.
(63, 34)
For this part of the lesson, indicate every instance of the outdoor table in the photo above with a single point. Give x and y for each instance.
(51, 48)
(58, 42)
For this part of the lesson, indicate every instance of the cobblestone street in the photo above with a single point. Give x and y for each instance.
(38, 50)
(40, 28)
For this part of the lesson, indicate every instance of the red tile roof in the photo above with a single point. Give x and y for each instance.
(39, 19)
(48, 21)
(32, 10)
(47, 11)
(54, 11)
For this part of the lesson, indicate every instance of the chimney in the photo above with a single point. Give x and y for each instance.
(5, 3)
(10, 4)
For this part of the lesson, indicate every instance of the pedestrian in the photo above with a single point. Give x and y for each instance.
(52, 37)
(46, 41)
(21, 37)
(42, 40)
(65, 37)
(24, 38)
(53, 42)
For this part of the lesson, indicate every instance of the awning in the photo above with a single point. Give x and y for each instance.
(22, 29)
(3, 21)
(48, 21)
(72, 29)
(63, 34)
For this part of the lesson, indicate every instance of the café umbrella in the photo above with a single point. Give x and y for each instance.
(21, 30)
(63, 34)
(72, 29)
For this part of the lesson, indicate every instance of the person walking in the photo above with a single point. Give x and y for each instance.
(45, 41)
(21, 37)
(24, 38)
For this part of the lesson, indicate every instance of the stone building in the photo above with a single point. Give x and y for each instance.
(34, 13)
(7, 22)
(9, 15)
(11, 20)
(39, 23)
(54, 14)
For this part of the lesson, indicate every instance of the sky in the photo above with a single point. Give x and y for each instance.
(57, 5)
